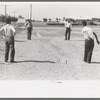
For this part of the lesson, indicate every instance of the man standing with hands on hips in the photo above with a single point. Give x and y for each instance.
(9, 33)
(89, 41)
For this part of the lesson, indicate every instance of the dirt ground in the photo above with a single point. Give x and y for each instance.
(49, 57)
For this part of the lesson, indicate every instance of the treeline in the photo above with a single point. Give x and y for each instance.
(3, 18)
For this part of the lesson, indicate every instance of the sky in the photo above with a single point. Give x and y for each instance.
(52, 10)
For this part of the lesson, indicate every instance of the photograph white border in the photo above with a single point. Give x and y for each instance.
(49, 88)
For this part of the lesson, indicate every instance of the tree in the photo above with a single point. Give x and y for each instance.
(45, 19)
(49, 19)
(3, 18)
(57, 19)
(21, 17)
(14, 19)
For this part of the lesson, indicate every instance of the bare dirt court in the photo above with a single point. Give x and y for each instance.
(49, 57)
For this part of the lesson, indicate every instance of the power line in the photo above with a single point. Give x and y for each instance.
(14, 12)
(30, 11)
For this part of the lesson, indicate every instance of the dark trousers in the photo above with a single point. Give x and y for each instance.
(89, 45)
(29, 33)
(9, 46)
(67, 33)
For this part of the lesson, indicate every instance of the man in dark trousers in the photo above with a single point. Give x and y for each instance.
(9, 33)
(89, 41)
(29, 27)
(68, 26)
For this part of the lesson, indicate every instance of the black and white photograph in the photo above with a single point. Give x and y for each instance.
(49, 41)
(55, 42)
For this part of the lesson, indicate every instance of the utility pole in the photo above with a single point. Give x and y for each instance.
(5, 9)
(14, 13)
(30, 11)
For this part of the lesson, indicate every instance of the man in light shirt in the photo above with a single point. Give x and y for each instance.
(89, 41)
(9, 33)
(29, 27)
(68, 26)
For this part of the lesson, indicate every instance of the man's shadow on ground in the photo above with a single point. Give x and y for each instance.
(37, 61)
(20, 41)
(95, 62)
(76, 40)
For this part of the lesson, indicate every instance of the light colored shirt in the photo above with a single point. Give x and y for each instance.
(9, 30)
(27, 24)
(67, 24)
(88, 32)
